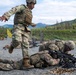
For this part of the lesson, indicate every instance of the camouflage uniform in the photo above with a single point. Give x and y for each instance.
(10, 64)
(22, 19)
(64, 46)
(39, 60)
(57, 45)
(43, 59)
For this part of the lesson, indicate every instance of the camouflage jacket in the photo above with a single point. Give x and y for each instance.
(23, 15)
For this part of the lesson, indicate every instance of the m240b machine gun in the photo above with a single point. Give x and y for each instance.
(66, 60)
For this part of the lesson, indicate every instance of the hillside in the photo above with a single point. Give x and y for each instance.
(59, 25)
(71, 22)
(8, 26)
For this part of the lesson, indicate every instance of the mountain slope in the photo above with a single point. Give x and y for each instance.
(38, 25)
(8, 26)
(41, 25)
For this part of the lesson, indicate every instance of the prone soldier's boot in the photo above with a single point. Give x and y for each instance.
(10, 49)
(26, 64)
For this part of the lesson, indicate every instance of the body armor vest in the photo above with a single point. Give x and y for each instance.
(23, 17)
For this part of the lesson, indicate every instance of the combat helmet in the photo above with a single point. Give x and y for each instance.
(31, 1)
(70, 44)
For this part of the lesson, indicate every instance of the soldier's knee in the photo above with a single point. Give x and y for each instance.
(15, 43)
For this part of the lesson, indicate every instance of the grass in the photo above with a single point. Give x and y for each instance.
(67, 34)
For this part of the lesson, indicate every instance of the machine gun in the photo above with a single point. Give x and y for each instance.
(66, 60)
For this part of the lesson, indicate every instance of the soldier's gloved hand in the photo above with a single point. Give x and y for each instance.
(3, 18)
(33, 25)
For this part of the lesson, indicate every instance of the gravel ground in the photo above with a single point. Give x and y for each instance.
(17, 55)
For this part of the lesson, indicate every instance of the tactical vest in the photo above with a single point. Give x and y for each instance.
(23, 17)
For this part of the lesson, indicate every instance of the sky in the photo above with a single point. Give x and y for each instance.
(46, 11)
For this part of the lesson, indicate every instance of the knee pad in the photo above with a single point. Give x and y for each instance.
(15, 43)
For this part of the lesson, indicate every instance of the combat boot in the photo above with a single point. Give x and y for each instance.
(10, 49)
(26, 64)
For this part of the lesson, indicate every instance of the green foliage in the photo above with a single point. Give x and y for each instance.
(3, 32)
(66, 34)
(64, 30)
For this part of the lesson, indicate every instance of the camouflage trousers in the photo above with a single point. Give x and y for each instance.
(10, 64)
(20, 37)
(39, 60)
(43, 59)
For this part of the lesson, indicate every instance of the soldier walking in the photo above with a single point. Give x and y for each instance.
(22, 19)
